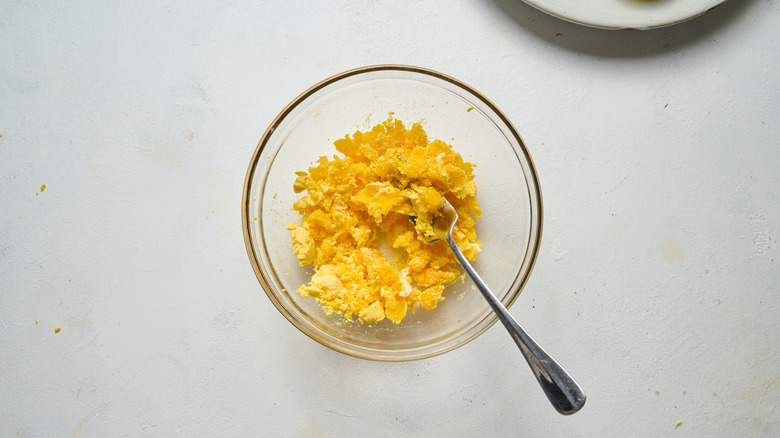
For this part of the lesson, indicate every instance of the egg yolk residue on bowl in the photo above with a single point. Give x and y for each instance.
(387, 187)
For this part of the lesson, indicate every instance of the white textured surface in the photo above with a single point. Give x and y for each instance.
(657, 286)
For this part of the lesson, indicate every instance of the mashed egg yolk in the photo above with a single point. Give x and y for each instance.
(387, 187)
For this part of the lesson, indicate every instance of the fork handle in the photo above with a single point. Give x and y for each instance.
(561, 389)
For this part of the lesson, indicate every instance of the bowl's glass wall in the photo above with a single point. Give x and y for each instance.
(506, 189)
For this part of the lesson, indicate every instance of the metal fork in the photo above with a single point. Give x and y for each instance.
(563, 392)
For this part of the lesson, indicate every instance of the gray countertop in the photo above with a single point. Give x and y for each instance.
(657, 286)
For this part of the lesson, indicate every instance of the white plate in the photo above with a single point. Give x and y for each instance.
(625, 14)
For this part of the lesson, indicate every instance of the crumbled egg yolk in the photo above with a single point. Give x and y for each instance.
(386, 177)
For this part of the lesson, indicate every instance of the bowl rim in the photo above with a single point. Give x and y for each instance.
(535, 238)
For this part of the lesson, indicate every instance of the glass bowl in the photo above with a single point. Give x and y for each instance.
(507, 189)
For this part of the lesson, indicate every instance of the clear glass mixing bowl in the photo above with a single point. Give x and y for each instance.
(449, 110)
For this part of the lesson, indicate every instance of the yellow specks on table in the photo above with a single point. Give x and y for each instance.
(387, 188)
(57, 330)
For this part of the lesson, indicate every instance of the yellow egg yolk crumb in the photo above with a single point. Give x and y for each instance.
(388, 186)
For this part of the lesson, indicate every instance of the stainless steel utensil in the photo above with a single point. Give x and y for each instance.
(564, 393)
